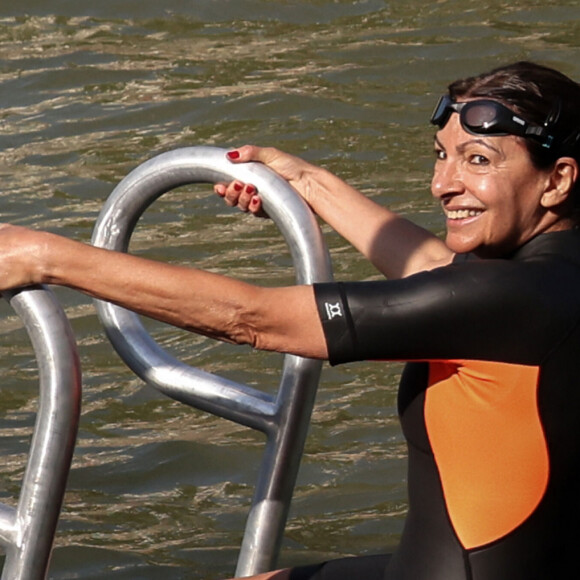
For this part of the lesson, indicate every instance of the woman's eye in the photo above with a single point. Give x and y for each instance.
(440, 154)
(479, 159)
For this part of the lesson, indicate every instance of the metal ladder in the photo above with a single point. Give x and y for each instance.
(285, 418)
(27, 531)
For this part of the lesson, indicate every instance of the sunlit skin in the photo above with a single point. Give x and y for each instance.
(509, 200)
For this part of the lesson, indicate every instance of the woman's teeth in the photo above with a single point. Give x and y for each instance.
(461, 214)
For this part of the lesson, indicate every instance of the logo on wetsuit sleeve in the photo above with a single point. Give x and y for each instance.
(333, 310)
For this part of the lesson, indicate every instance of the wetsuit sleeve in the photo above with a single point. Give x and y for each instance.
(465, 310)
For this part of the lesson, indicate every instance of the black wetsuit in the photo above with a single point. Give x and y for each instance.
(490, 408)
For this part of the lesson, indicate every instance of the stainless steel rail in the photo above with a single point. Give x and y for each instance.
(284, 418)
(27, 531)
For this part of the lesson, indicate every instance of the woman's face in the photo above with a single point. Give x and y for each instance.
(489, 191)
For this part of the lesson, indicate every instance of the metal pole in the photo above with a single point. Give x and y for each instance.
(27, 532)
(284, 419)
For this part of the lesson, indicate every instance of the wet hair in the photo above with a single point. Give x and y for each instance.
(538, 94)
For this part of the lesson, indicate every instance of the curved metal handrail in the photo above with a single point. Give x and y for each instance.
(27, 531)
(284, 418)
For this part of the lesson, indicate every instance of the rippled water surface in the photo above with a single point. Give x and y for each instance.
(89, 92)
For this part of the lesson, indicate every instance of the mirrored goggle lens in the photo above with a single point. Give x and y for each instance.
(479, 116)
(489, 117)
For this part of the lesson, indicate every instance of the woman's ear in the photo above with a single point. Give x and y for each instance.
(562, 179)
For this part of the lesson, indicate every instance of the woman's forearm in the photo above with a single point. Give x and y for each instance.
(396, 246)
(277, 319)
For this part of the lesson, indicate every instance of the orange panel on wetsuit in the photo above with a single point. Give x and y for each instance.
(483, 424)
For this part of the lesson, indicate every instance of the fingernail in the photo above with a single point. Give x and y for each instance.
(233, 154)
(250, 189)
(238, 186)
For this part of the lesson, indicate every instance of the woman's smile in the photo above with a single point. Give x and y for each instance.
(461, 214)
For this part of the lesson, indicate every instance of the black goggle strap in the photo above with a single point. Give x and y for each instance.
(541, 134)
(545, 133)
(572, 140)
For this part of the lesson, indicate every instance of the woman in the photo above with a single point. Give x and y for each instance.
(489, 318)
(490, 412)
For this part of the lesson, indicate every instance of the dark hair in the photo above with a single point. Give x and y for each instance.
(536, 93)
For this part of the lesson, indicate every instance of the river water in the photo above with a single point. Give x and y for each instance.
(88, 91)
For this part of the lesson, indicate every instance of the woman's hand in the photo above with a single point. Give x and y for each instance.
(245, 195)
(21, 251)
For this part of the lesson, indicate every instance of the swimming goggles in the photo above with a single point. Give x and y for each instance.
(487, 117)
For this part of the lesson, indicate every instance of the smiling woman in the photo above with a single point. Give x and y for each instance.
(507, 175)
(493, 196)
(490, 417)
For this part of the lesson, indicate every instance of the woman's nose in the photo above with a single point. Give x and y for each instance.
(446, 179)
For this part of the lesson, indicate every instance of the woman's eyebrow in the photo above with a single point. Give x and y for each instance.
(476, 141)
(463, 146)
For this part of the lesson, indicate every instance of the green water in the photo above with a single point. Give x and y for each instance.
(87, 93)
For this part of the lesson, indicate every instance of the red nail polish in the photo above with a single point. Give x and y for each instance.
(250, 189)
(238, 186)
(233, 154)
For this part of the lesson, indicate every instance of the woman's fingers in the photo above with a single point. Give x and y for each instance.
(248, 153)
(244, 196)
(287, 166)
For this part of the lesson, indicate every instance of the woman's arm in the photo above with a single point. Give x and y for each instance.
(276, 319)
(396, 246)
